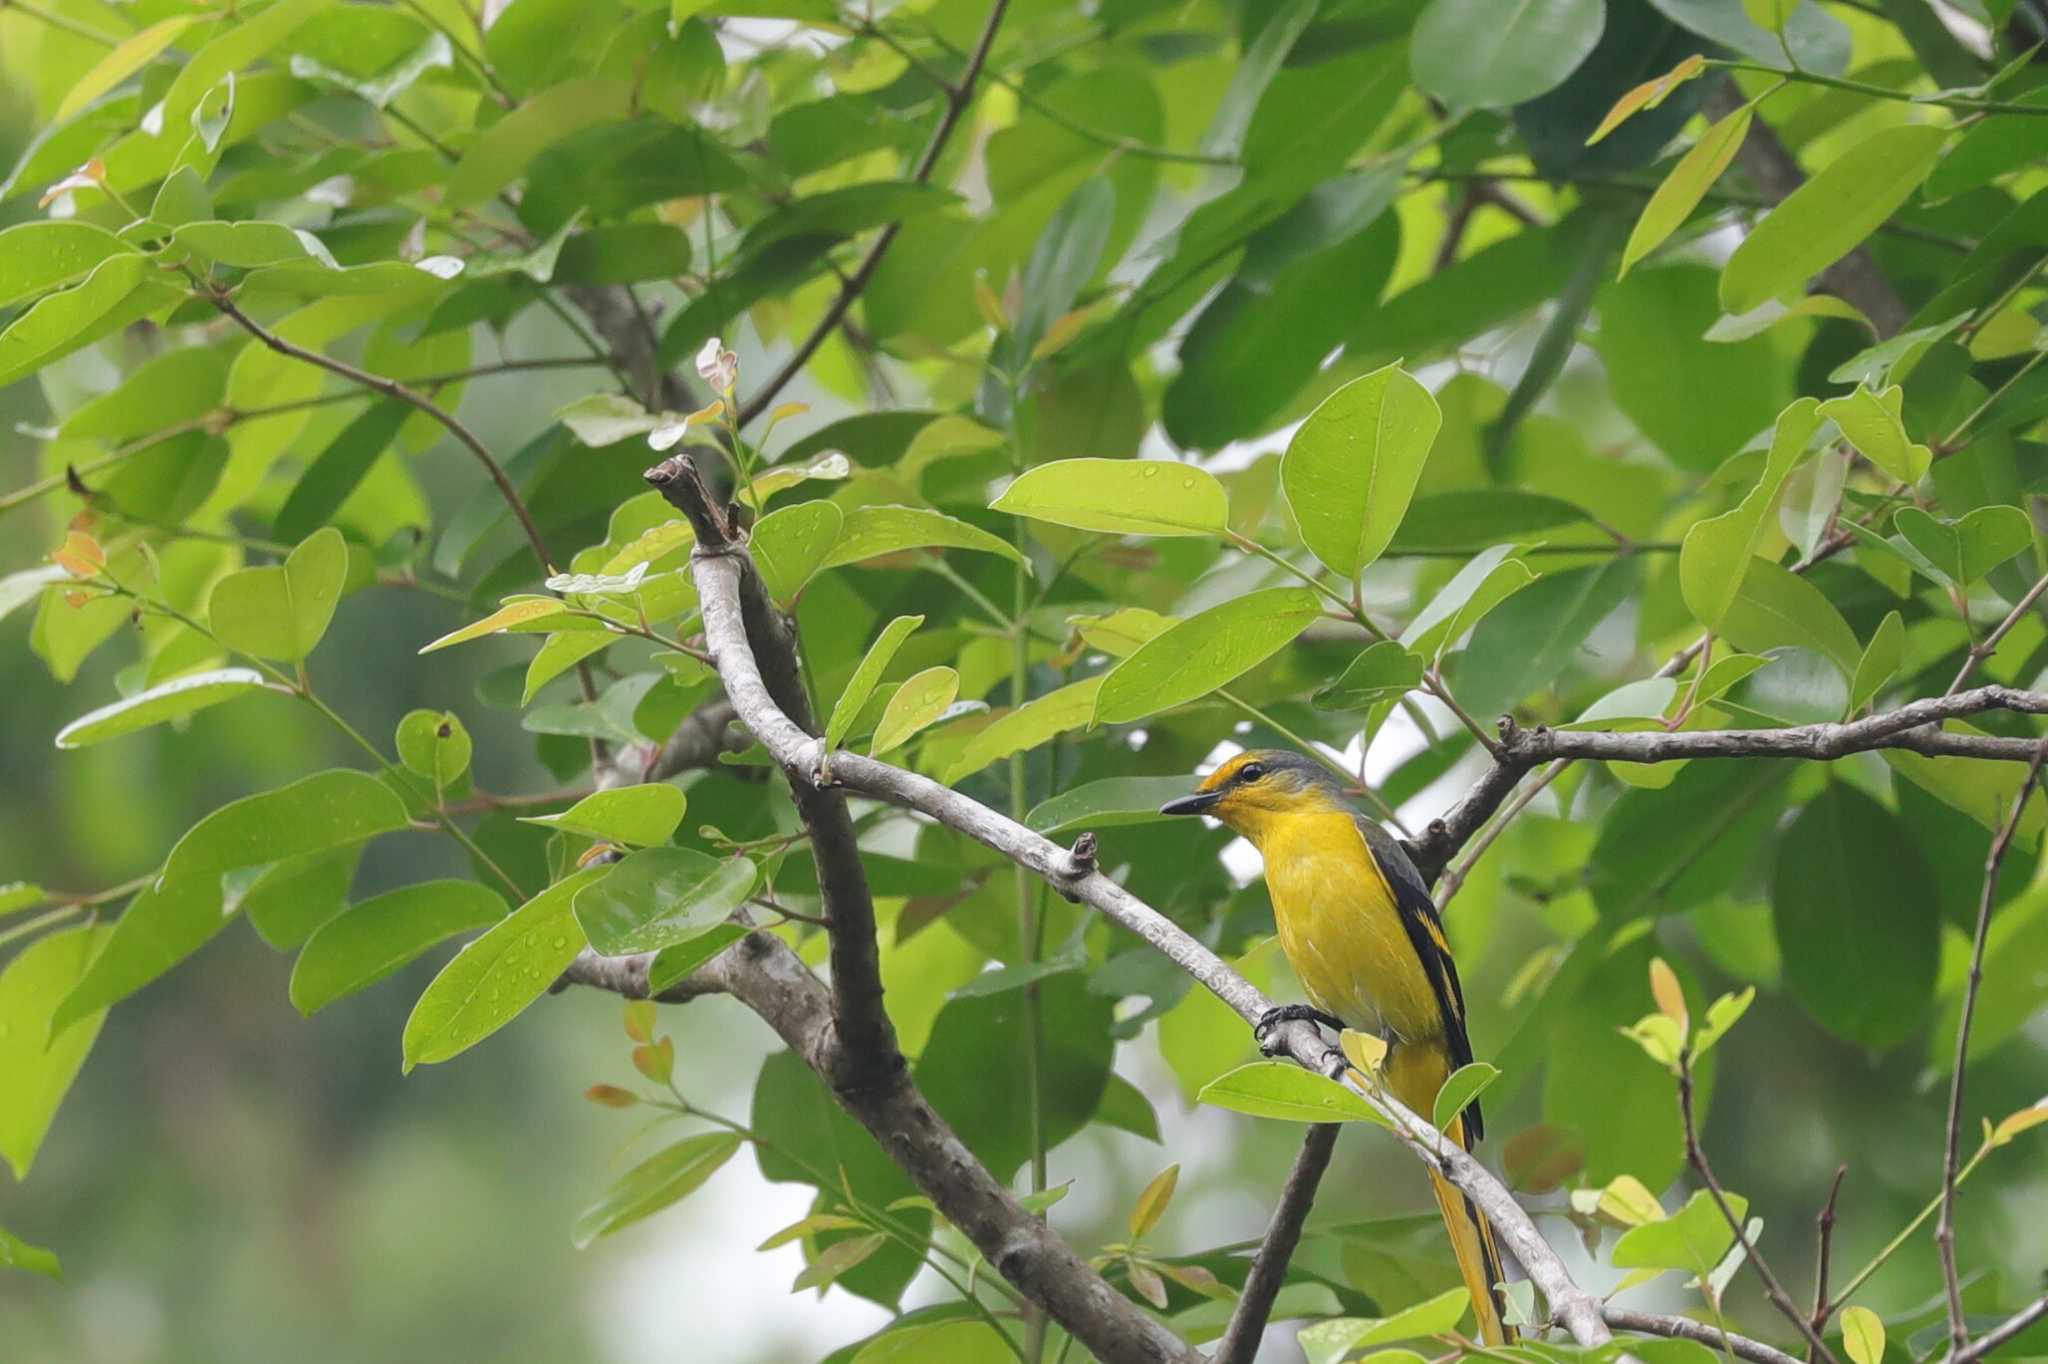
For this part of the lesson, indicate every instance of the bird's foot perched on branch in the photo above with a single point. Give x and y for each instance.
(1269, 1022)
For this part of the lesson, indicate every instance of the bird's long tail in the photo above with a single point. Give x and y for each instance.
(1414, 1073)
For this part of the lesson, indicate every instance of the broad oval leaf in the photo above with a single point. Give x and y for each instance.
(660, 897)
(1465, 1084)
(1031, 724)
(362, 946)
(917, 703)
(1352, 467)
(1853, 902)
(638, 816)
(1863, 1335)
(1825, 218)
(434, 745)
(1882, 658)
(521, 612)
(1280, 1089)
(325, 810)
(282, 610)
(169, 701)
(1872, 422)
(1694, 1238)
(1481, 54)
(494, 977)
(1329, 1341)
(870, 532)
(660, 1181)
(1206, 651)
(1384, 671)
(37, 256)
(671, 964)
(791, 544)
(40, 1054)
(1966, 549)
(1717, 551)
(164, 924)
(1121, 497)
(866, 674)
(1106, 804)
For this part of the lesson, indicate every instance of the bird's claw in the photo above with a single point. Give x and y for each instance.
(1266, 1030)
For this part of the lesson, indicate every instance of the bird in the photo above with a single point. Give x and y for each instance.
(1357, 924)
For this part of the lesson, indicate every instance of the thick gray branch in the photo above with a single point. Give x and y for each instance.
(719, 579)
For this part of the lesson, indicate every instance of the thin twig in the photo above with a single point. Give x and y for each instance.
(1447, 889)
(391, 388)
(958, 97)
(1696, 1156)
(1685, 1328)
(1988, 646)
(1945, 1229)
(1825, 1228)
(1269, 1267)
(2003, 1332)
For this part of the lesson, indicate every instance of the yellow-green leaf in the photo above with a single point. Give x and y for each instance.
(916, 704)
(1717, 551)
(1121, 496)
(1031, 724)
(1206, 651)
(1862, 1335)
(1351, 468)
(520, 612)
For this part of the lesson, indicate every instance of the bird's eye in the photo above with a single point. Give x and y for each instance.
(1250, 772)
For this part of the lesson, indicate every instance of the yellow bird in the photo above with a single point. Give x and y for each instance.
(1357, 923)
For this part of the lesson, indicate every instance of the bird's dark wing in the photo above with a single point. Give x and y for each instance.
(1426, 934)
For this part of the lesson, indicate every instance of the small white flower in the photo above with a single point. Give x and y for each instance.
(718, 366)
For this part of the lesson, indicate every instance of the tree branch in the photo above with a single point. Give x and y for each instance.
(958, 97)
(2003, 1332)
(1240, 1343)
(1945, 1229)
(720, 574)
(1707, 1334)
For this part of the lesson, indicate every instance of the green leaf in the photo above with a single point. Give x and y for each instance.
(325, 810)
(660, 897)
(1717, 551)
(1329, 1341)
(117, 292)
(1206, 651)
(1121, 497)
(128, 56)
(659, 1182)
(1476, 54)
(1693, 1239)
(1723, 1014)
(1279, 1089)
(282, 610)
(869, 532)
(233, 47)
(1352, 466)
(1967, 549)
(637, 816)
(837, 1259)
(1881, 660)
(16, 896)
(40, 1054)
(16, 1253)
(39, 256)
(1828, 216)
(364, 945)
(1252, 76)
(1775, 607)
(524, 611)
(791, 544)
(1530, 641)
(866, 674)
(1465, 1084)
(246, 245)
(167, 701)
(1982, 788)
(508, 146)
(1031, 724)
(1872, 423)
(1385, 670)
(1818, 41)
(558, 654)
(917, 703)
(602, 419)
(1488, 580)
(495, 976)
(944, 1342)
(671, 964)
(1106, 804)
(434, 745)
(1863, 1335)
(339, 470)
(288, 900)
(1857, 919)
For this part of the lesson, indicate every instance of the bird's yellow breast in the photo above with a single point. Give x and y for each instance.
(1340, 927)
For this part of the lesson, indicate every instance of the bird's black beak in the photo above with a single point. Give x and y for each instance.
(1199, 803)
